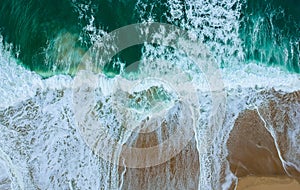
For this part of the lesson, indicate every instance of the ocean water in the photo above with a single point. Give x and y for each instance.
(255, 45)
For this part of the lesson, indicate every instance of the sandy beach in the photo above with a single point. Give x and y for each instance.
(253, 156)
(267, 183)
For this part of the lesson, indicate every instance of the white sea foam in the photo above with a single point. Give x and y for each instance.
(40, 139)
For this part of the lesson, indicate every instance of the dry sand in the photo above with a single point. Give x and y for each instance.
(267, 183)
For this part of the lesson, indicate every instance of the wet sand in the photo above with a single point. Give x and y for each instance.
(253, 156)
(181, 172)
(251, 148)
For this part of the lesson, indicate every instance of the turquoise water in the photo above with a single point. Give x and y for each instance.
(271, 34)
(255, 43)
(269, 30)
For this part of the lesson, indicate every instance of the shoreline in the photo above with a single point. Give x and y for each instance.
(253, 156)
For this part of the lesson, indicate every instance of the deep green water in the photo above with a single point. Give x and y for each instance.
(269, 30)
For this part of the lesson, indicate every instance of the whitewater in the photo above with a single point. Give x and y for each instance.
(42, 146)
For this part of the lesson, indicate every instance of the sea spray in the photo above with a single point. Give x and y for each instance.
(37, 116)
